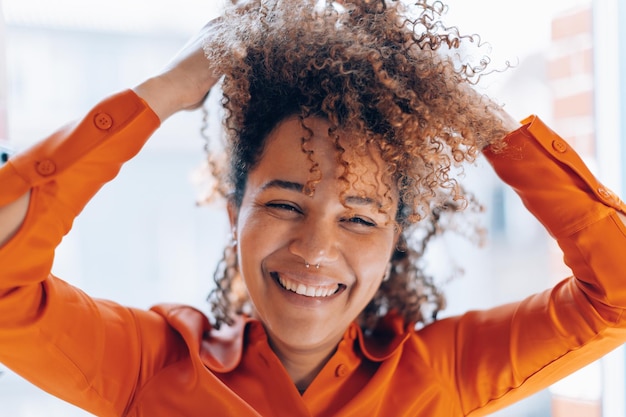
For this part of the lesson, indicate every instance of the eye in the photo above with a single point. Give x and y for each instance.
(357, 220)
(283, 206)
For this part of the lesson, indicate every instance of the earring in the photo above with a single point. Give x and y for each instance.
(401, 245)
(387, 274)
(308, 265)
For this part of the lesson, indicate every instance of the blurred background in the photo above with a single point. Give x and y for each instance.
(143, 239)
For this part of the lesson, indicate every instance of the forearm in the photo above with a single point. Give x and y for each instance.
(182, 86)
(59, 176)
(561, 192)
(525, 346)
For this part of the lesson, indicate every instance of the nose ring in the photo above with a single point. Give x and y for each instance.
(308, 265)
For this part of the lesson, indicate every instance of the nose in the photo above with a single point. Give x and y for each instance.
(315, 241)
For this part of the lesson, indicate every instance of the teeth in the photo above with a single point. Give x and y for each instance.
(301, 289)
(310, 292)
(306, 290)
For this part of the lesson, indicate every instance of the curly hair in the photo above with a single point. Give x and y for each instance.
(380, 68)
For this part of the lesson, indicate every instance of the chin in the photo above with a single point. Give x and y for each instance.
(302, 334)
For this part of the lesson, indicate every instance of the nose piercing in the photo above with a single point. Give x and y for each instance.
(308, 265)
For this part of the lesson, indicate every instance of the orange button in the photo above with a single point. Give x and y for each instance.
(604, 192)
(352, 333)
(608, 195)
(559, 145)
(103, 121)
(341, 370)
(45, 167)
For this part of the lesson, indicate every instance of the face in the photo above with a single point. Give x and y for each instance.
(280, 229)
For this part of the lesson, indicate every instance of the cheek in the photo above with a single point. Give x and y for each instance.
(255, 223)
(257, 237)
(250, 242)
(369, 259)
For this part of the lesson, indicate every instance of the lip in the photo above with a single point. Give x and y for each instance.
(306, 280)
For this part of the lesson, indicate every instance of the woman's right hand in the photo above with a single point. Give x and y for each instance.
(185, 82)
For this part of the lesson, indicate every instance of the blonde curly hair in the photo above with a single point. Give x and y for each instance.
(380, 68)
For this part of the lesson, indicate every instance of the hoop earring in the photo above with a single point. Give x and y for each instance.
(401, 244)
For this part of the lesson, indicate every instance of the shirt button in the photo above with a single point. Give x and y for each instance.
(559, 145)
(352, 333)
(606, 194)
(341, 370)
(45, 167)
(103, 121)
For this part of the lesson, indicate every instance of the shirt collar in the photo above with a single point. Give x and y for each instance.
(221, 350)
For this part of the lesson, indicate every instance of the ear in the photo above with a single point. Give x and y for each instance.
(399, 241)
(233, 212)
(398, 236)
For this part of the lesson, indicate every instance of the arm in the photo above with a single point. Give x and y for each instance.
(50, 332)
(181, 85)
(517, 349)
(184, 83)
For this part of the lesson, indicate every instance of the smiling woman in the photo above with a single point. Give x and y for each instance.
(343, 129)
(324, 73)
(337, 226)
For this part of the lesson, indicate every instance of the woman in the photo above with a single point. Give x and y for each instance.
(343, 124)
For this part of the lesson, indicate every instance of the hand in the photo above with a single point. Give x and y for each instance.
(490, 121)
(508, 122)
(492, 109)
(185, 82)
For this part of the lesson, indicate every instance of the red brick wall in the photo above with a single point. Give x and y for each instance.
(568, 407)
(570, 73)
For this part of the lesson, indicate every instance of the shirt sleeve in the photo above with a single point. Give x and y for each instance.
(82, 350)
(504, 354)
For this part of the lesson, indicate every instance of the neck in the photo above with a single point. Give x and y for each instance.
(303, 365)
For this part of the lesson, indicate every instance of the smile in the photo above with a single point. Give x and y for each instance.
(307, 290)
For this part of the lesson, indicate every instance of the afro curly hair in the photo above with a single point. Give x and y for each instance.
(383, 69)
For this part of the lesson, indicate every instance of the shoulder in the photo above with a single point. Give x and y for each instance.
(218, 349)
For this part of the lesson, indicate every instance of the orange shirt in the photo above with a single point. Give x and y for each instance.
(117, 361)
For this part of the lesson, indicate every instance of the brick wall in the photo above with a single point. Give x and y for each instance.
(571, 77)
(570, 407)
(570, 71)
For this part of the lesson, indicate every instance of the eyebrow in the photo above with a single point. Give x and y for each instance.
(286, 185)
(296, 186)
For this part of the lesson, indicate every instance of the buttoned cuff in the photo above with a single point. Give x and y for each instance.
(64, 172)
(551, 179)
(88, 152)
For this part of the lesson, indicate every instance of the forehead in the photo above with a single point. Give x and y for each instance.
(330, 167)
(306, 146)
